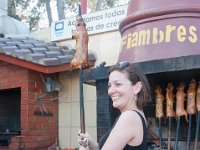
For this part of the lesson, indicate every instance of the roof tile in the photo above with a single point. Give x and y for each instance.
(13, 43)
(49, 61)
(21, 53)
(27, 41)
(39, 49)
(24, 46)
(68, 52)
(65, 58)
(34, 57)
(3, 40)
(51, 54)
(40, 44)
(54, 48)
(7, 49)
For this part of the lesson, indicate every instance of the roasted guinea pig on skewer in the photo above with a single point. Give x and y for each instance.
(180, 98)
(170, 100)
(198, 97)
(191, 96)
(80, 59)
(159, 102)
(191, 108)
(198, 116)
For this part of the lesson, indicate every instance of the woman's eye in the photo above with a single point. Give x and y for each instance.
(117, 84)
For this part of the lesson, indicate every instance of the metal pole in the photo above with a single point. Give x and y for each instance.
(177, 133)
(191, 108)
(169, 110)
(197, 132)
(169, 133)
(82, 112)
(198, 117)
(189, 132)
(160, 132)
(159, 110)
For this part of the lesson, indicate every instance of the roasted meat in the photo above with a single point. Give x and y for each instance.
(170, 100)
(180, 98)
(159, 102)
(81, 36)
(191, 96)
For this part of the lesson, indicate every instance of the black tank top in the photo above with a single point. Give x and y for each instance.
(142, 146)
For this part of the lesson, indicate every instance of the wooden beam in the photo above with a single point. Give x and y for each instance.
(37, 67)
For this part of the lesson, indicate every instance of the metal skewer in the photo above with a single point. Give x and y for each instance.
(198, 117)
(191, 107)
(197, 132)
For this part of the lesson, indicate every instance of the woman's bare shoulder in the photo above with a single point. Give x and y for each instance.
(129, 117)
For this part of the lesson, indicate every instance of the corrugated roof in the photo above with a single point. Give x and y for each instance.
(38, 52)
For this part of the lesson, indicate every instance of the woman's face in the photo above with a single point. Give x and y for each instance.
(121, 90)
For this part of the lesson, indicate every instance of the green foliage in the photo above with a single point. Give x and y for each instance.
(27, 11)
(72, 5)
(111, 3)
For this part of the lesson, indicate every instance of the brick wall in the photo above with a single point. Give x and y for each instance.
(37, 131)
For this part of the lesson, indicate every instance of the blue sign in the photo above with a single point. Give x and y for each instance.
(59, 26)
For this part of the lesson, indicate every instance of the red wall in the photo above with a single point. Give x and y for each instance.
(37, 132)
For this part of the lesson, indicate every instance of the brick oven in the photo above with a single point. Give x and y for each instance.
(20, 127)
(28, 111)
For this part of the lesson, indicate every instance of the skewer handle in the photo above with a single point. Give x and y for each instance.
(197, 131)
(177, 133)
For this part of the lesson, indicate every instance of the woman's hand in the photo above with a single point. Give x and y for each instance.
(83, 148)
(85, 140)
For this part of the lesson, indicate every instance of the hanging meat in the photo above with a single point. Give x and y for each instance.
(80, 59)
(159, 102)
(198, 116)
(191, 96)
(170, 100)
(180, 98)
(198, 97)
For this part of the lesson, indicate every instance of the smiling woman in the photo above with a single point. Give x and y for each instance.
(129, 90)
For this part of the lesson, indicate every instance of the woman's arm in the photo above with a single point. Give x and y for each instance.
(127, 130)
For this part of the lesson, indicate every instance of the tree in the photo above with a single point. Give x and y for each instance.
(98, 5)
(11, 8)
(71, 7)
(93, 5)
(48, 9)
(27, 11)
(60, 9)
